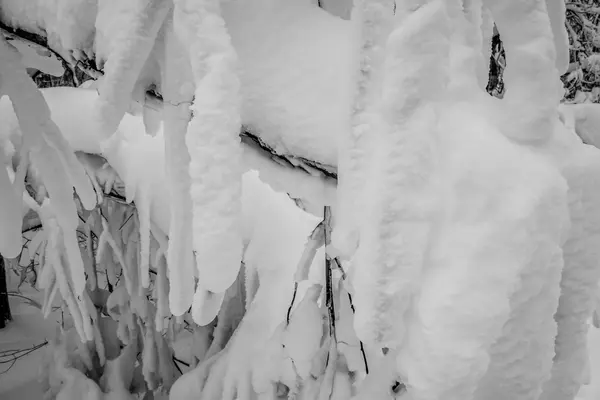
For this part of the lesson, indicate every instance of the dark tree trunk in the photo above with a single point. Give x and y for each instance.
(4, 305)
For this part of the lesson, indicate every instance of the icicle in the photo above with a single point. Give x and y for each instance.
(143, 208)
(162, 289)
(374, 20)
(180, 258)
(127, 58)
(206, 305)
(213, 143)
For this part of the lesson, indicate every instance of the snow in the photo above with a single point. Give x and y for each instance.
(373, 22)
(68, 24)
(531, 78)
(296, 86)
(131, 45)
(557, 13)
(176, 117)
(213, 143)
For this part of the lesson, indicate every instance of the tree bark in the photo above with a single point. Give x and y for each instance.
(5, 315)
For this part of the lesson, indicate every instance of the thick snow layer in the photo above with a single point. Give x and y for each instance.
(296, 84)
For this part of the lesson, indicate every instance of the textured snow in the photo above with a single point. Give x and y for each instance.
(213, 142)
(68, 24)
(557, 13)
(531, 78)
(176, 117)
(373, 24)
(296, 85)
(131, 44)
(395, 231)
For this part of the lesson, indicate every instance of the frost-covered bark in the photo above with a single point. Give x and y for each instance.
(373, 22)
(213, 143)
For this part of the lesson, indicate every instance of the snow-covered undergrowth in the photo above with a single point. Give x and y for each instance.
(469, 274)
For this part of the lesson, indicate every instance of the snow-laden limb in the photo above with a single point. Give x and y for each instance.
(580, 166)
(395, 232)
(177, 115)
(213, 142)
(373, 22)
(558, 13)
(131, 48)
(531, 77)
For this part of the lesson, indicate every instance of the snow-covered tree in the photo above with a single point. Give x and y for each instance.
(303, 200)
